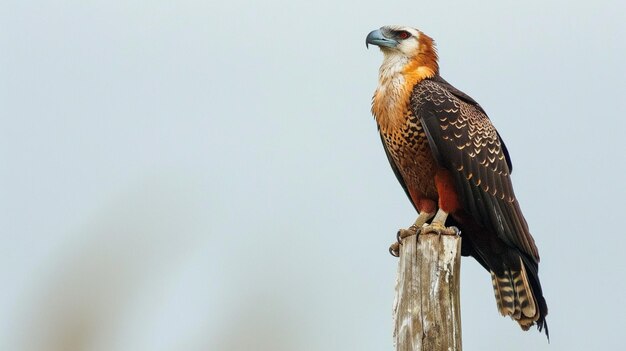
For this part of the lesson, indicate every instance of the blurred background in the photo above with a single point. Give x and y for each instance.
(199, 175)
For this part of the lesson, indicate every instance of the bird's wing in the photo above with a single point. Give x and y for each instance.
(464, 141)
(464, 97)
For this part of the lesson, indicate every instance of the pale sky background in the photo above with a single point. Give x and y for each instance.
(196, 175)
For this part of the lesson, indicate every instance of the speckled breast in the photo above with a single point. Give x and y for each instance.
(408, 146)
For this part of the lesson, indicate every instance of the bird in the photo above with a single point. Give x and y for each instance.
(455, 169)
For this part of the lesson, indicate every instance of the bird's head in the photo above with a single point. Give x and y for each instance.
(405, 50)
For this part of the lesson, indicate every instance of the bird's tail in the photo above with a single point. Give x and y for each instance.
(516, 297)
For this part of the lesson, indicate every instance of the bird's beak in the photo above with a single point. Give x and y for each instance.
(376, 37)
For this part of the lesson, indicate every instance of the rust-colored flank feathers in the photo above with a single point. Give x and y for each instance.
(449, 158)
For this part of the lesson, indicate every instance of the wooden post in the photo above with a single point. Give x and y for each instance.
(427, 315)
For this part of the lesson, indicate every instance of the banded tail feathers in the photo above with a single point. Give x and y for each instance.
(515, 297)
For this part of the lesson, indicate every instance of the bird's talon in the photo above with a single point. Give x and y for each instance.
(394, 249)
(399, 236)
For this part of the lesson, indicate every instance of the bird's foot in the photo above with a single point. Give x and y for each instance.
(394, 249)
(440, 229)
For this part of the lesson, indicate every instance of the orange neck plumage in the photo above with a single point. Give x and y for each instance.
(398, 75)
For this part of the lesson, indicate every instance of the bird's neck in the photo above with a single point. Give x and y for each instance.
(396, 79)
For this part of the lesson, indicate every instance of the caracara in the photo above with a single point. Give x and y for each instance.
(455, 168)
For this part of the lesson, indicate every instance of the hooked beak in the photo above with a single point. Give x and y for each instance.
(376, 37)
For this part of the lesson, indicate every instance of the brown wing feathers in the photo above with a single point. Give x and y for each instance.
(463, 139)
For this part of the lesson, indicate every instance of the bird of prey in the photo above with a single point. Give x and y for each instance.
(455, 169)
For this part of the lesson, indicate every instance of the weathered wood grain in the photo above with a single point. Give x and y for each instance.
(427, 314)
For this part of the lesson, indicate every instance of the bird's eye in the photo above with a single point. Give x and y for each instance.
(403, 34)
